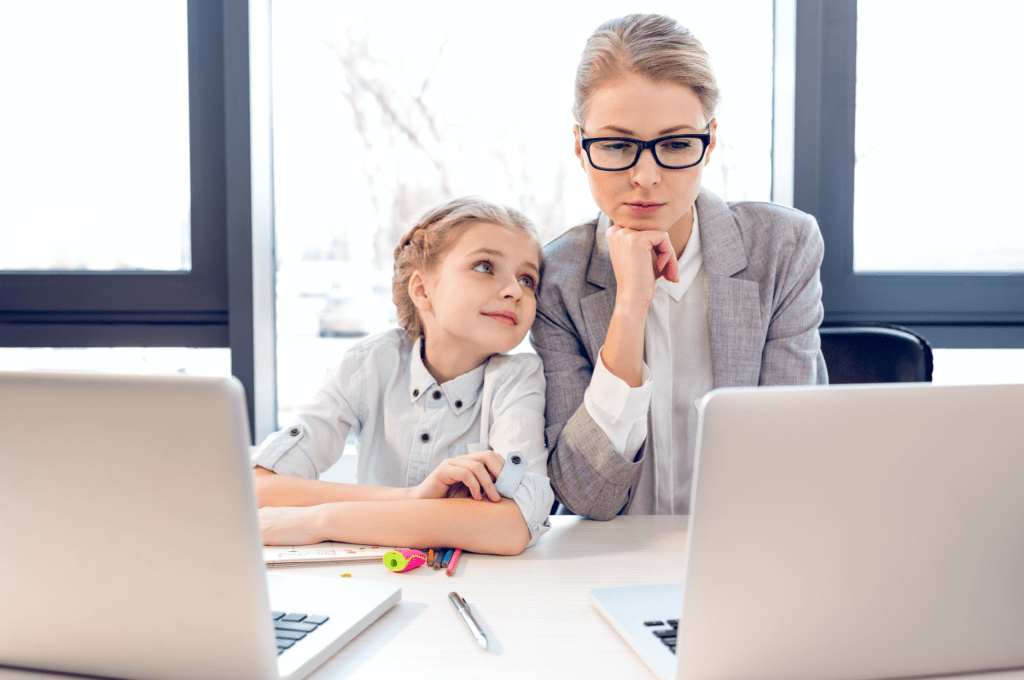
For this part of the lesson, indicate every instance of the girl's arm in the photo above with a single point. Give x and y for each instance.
(493, 528)
(473, 474)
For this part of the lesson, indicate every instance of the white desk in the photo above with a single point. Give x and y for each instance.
(535, 608)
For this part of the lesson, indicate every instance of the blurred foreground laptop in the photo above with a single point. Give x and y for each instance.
(855, 532)
(130, 545)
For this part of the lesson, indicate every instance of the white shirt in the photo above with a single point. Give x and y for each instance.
(663, 410)
(406, 424)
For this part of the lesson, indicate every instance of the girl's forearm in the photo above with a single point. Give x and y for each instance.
(275, 490)
(476, 526)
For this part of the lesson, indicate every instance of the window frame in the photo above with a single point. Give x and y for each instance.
(215, 303)
(976, 310)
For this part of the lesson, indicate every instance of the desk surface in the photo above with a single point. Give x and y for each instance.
(535, 608)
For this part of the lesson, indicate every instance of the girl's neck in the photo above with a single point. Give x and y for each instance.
(447, 365)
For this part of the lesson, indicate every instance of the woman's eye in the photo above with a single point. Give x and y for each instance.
(483, 267)
(528, 282)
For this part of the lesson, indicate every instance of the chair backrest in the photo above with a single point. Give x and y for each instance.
(875, 354)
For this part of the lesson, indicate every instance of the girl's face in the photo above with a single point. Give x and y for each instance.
(480, 299)
(646, 196)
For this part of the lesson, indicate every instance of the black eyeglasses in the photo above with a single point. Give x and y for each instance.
(674, 152)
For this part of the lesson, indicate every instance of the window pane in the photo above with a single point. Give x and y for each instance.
(94, 135)
(376, 119)
(939, 138)
(127, 360)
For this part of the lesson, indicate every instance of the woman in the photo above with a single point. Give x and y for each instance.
(670, 292)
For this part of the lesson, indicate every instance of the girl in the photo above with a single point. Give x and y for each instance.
(450, 430)
(670, 292)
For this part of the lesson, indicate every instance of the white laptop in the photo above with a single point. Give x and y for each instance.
(850, 532)
(129, 541)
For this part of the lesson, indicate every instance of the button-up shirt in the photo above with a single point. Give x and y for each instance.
(405, 424)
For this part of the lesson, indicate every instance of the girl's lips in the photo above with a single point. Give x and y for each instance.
(507, 318)
(644, 209)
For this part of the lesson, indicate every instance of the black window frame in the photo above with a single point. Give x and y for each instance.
(212, 305)
(954, 310)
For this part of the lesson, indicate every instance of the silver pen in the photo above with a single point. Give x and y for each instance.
(462, 609)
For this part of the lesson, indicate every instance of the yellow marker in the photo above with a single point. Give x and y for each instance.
(345, 575)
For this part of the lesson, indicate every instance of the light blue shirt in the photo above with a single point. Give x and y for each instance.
(405, 424)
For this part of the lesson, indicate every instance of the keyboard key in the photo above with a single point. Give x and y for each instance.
(283, 643)
(289, 634)
(666, 633)
(316, 619)
(672, 622)
(276, 615)
(293, 617)
(653, 623)
(291, 625)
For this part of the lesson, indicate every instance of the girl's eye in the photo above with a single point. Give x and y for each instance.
(483, 267)
(527, 281)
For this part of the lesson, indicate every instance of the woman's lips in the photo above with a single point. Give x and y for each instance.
(644, 209)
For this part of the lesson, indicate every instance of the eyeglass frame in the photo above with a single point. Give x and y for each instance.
(704, 137)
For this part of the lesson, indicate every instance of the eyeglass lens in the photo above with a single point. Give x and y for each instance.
(617, 154)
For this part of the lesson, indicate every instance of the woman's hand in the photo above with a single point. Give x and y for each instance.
(470, 475)
(291, 526)
(638, 259)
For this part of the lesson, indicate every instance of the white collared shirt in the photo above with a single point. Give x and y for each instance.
(663, 410)
(405, 424)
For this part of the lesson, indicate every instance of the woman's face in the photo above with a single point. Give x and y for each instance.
(646, 196)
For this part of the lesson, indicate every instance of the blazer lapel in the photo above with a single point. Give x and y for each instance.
(598, 306)
(734, 307)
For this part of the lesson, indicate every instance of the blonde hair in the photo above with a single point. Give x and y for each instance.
(423, 246)
(650, 45)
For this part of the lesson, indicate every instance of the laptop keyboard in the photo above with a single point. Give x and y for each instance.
(665, 631)
(290, 628)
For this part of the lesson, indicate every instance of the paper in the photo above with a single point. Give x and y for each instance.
(328, 552)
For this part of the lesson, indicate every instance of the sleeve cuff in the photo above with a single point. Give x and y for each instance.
(615, 398)
(511, 475)
(535, 499)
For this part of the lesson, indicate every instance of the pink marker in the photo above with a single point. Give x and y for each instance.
(404, 559)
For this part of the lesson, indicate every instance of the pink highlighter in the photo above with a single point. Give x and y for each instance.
(404, 559)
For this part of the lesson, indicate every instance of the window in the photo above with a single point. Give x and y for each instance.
(197, 286)
(872, 272)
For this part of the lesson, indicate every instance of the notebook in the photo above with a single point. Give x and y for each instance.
(844, 533)
(130, 544)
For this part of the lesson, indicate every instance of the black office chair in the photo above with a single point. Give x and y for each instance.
(875, 354)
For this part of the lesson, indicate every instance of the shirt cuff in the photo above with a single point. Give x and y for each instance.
(535, 499)
(615, 398)
(280, 452)
(511, 475)
(620, 411)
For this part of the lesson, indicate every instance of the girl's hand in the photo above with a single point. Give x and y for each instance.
(291, 526)
(638, 259)
(470, 475)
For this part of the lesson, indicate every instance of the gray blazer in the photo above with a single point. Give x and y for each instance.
(764, 296)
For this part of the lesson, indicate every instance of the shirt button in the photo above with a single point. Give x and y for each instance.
(294, 432)
(516, 460)
(415, 393)
(425, 437)
(458, 403)
(436, 394)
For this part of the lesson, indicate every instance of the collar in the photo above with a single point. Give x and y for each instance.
(689, 263)
(461, 392)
